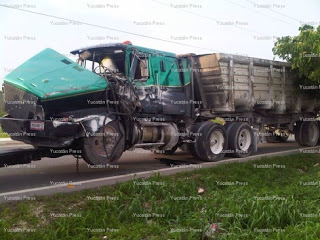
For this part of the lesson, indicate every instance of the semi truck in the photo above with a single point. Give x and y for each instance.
(118, 97)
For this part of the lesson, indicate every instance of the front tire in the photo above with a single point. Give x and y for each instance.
(93, 150)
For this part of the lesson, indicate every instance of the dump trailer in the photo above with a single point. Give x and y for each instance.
(120, 97)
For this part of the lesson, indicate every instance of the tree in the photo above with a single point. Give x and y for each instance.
(303, 51)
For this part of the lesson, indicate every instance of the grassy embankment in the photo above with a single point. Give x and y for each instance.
(275, 198)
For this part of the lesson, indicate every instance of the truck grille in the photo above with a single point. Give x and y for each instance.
(18, 103)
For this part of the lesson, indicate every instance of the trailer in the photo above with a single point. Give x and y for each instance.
(119, 97)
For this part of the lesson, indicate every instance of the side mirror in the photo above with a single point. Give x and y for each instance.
(133, 67)
(139, 70)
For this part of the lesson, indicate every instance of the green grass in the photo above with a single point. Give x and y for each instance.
(263, 203)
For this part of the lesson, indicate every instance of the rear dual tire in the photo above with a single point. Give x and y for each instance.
(240, 139)
(213, 141)
(210, 142)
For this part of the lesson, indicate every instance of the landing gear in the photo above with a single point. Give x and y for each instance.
(277, 135)
(210, 142)
(106, 146)
(282, 138)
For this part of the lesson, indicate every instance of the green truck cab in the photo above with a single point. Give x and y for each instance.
(138, 94)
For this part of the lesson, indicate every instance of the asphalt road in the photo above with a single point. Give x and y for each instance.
(50, 171)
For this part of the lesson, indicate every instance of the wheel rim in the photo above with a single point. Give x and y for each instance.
(110, 135)
(244, 140)
(313, 132)
(216, 142)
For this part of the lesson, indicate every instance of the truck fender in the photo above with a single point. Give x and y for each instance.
(92, 124)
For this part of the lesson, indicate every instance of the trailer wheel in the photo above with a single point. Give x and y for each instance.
(210, 142)
(297, 133)
(93, 150)
(240, 139)
(309, 133)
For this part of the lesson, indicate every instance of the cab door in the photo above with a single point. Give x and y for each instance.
(169, 85)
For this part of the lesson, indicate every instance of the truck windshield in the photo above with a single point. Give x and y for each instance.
(102, 62)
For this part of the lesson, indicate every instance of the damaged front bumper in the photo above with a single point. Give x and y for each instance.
(41, 133)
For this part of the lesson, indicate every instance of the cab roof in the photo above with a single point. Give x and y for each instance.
(122, 46)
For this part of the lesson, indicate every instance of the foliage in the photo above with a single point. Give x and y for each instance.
(303, 51)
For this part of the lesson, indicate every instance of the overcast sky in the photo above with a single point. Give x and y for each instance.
(245, 27)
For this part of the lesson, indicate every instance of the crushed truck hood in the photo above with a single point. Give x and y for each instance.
(50, 75)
